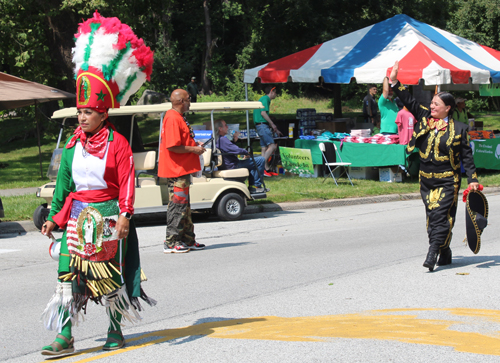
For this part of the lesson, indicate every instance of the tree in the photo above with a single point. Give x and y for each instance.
(479, 21)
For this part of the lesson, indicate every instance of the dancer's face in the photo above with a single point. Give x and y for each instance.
(438, 108)
(90, 120)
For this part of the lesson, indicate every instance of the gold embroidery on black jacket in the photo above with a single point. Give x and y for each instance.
(442, 151)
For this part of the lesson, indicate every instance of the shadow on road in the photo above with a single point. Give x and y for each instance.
(159, 219)
(13, 229)
(226, 245)
(201, 328)
(480, 261)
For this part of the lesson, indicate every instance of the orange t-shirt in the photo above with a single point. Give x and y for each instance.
(175, 132)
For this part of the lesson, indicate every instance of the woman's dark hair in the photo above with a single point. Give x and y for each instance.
(448, 100)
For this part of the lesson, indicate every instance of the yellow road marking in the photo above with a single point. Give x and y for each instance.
(480, 329)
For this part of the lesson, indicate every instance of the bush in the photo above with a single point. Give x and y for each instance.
(478, 104)
(212, 98)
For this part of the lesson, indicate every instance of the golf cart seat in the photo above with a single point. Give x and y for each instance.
(233, 174)
(144, 162)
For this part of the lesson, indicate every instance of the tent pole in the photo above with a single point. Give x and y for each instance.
(248, 122)
(38, 136)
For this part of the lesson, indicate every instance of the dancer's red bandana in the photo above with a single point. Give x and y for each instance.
(95, 144)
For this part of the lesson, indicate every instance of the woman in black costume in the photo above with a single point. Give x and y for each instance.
(442, 144)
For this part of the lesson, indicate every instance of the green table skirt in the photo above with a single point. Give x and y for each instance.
(486, 153)
(360, 155)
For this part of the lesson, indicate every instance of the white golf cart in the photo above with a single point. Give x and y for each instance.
(220, 192)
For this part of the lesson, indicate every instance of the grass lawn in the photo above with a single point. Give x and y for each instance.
(283, 189)
(20, 208)
(19, 160)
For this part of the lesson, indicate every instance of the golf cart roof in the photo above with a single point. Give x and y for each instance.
(163, 107)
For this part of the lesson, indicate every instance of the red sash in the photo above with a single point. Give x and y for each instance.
(87, 196)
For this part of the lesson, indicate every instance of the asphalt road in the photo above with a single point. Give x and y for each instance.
(342, 284)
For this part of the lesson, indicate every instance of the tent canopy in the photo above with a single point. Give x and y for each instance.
(17, 92)
(367, 55)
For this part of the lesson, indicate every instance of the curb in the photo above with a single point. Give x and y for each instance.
(12, 229)
(274, 207)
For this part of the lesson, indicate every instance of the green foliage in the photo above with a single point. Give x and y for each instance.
(137, 96)
(36, 36)
(478, 104)
(230, 9)
(477, 20)
(285, 95)
(214, 97)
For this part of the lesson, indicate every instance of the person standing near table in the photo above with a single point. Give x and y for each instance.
(178, 159)
(461, 114)
(370, 109)
(443, 143)
(388, 110)
(95, 184)
(266, 127)
(405, 122)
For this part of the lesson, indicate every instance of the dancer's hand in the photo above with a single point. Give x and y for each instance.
(47, 229)
(122, 227)
(474, 186)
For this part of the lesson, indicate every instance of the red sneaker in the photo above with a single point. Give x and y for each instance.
(196, 246)
(272, 173)
(266, 173)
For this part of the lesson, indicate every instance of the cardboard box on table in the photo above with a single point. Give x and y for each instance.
(390, 175)
(365, 173)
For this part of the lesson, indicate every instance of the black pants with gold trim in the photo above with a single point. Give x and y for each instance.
(439, 193)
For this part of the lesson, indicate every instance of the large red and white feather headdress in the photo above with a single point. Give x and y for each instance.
(111, 63)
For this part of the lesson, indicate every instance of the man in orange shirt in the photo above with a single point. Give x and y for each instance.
(179, 158)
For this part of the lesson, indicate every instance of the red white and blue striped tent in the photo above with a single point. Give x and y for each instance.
(367, 55)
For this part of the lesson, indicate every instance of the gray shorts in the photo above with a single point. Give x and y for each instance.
(266, 135)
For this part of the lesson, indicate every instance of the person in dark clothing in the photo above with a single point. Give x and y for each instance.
(443, 143)
(370, 108)
(192, 89)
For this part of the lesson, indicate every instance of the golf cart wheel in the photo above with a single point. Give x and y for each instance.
(230, 207)
(40, 215)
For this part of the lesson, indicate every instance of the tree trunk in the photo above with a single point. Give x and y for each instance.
(495, 102)
(60, 44)
(209, 44)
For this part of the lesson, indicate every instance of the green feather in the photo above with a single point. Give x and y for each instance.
(86, 57)
(109, 69)
(125, 89)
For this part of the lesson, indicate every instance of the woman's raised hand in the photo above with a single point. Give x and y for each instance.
(394, 72)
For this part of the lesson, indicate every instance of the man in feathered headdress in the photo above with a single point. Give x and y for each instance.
(94, 195)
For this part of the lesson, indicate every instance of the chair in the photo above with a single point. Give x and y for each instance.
(330, 156)
(144, 163)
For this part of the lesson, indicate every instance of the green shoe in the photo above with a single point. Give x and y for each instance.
(115, 340)
(57, 349)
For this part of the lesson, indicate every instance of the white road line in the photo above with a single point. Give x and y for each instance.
(7, 251)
